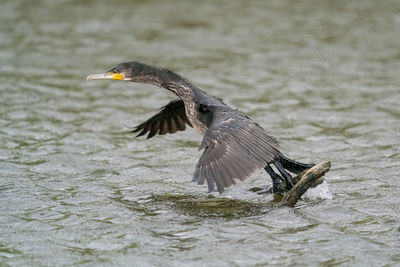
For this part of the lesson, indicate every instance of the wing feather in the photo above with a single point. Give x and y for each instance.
(163, 126)
(171, 125)
(234, 147)
(154, 127)
(180, 124)
(170, 119)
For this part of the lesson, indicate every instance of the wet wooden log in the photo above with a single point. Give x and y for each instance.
(302, 182)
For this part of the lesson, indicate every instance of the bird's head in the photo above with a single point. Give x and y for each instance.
(126, 71)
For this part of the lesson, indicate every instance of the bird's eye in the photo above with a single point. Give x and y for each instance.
(114, 70)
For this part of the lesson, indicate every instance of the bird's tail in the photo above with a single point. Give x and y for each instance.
(294, 166)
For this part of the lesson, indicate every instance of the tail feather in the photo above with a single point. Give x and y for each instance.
(294, 166)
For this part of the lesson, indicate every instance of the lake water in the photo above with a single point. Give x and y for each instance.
(77, 189)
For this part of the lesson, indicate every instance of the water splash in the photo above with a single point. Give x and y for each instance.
(320, 192)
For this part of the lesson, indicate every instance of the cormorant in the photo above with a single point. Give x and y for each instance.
(234, 145)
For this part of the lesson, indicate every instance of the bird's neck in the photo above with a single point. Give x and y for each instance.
(181, 88)
(170, 81)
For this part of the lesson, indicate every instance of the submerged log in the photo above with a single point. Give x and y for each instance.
(302, 182)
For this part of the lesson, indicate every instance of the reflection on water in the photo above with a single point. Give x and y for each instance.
(209, 206)
(77, 188)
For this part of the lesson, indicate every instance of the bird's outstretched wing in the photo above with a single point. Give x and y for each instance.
(170, 119)
(235, 146)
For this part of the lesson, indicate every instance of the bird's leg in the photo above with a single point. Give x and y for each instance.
(285, 174)
(276, 179)
(292, 165)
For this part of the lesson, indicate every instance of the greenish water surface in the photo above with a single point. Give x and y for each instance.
(77, 189)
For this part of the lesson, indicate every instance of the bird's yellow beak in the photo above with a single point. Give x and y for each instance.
(109, 75)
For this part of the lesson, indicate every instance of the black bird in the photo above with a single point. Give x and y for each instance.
(234, 145)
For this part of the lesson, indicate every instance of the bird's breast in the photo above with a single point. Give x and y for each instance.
(193, 116)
